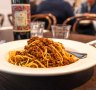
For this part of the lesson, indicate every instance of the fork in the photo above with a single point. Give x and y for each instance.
(77, 54)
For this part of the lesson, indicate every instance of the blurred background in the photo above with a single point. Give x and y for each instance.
(5, 7)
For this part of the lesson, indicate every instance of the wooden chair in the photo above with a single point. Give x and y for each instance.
(22, 35)
(80, 18)
(90, 17)
(10, 19)
(51, 19)
(1, 19)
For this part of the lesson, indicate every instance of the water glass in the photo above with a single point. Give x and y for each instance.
(61, 31)
(37, 28)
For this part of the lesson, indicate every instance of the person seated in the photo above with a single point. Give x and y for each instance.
(89, 6)
(59, 8)
(86, 8)
(33, 6)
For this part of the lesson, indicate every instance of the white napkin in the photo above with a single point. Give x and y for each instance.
(92, 42)
(2, 41)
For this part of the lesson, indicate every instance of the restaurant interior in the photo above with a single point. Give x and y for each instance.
(56, 16)
(80, 22)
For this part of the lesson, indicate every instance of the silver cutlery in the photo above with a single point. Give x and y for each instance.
(79, 55)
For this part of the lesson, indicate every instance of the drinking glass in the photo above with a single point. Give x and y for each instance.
(37, 28)
(61, 31)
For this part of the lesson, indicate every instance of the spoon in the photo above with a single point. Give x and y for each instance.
(93, 44)
(79, 55)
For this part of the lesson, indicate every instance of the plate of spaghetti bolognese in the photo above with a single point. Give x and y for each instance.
(44, 57)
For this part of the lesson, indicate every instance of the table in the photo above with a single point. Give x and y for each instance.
(74, 36)
(6, 33)
(85, 80)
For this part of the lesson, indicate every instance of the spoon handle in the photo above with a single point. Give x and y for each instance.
(79, 55)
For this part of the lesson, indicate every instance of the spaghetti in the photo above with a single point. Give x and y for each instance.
(41, 53)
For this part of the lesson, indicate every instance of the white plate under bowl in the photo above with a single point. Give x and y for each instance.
(78, 66)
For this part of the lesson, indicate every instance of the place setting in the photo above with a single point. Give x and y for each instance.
(75, 56)
(47, 45)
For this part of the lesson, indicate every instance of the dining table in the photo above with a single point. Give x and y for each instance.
(82, 80)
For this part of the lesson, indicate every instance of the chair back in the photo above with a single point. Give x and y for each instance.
(80, 18)
(1, 19)
(51, 19)
(10, 19)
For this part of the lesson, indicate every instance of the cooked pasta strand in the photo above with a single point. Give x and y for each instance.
(41, 53)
